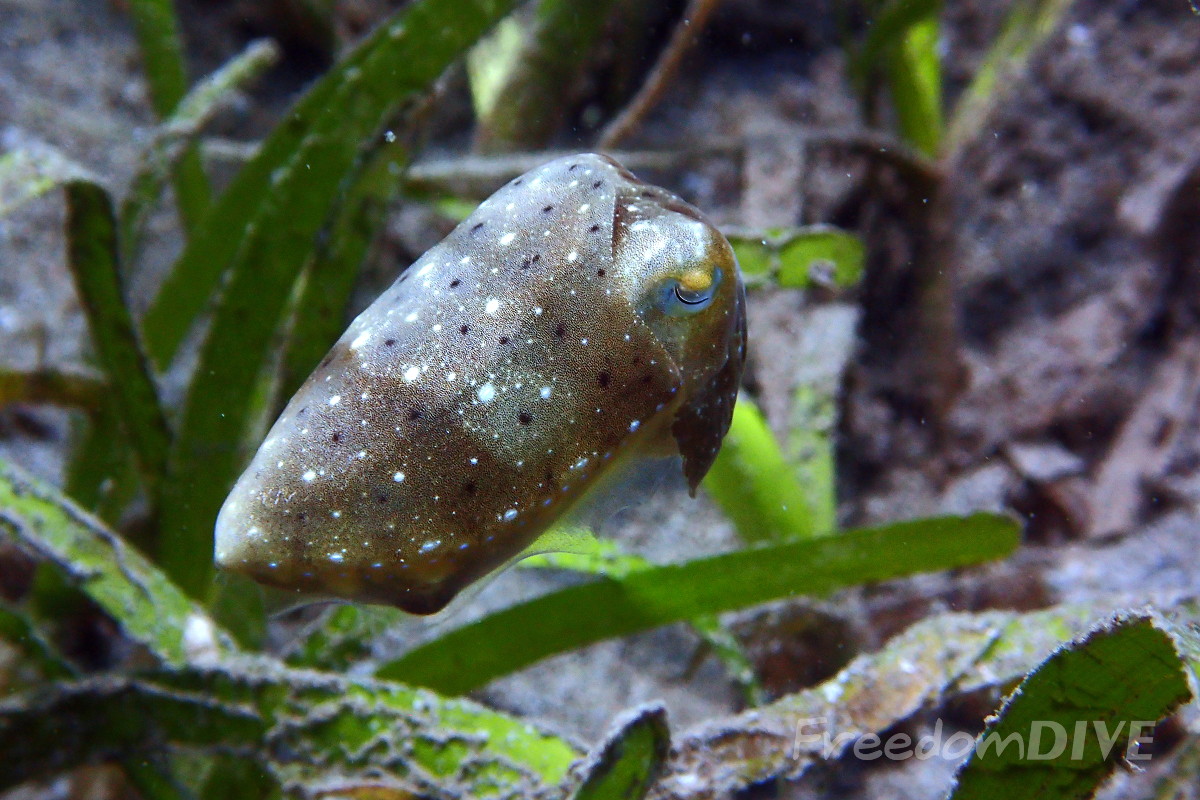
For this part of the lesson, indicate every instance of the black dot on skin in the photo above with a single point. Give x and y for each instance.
(536, 257)
(518, 181)
(469, 487)
(525, 417)
(525, 264)
(572, 168)
(455, 283)
(646, 379)
(414, 413)
(325, 361)
(337, 437)
(301, 411)
(390, 343)
(547, 209)
(594, 228)
(604, 379)
(463, 329)
(600, 273)
(597, 184)
(503, 340)
(302, 516)
(560, 330)
(381, 499)
(478, 226)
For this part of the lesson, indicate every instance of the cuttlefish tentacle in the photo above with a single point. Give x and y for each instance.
(577, 321)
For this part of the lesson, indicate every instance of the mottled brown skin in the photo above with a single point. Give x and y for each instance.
(537, 349)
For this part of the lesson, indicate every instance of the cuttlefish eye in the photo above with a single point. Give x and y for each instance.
(578, 322)
(692, 293)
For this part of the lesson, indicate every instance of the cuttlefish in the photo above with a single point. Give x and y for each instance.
(578, 322)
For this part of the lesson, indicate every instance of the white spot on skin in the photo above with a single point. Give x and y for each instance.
(633, 426)
(333, 401)
(571, 256)
(450, 376)
(336, 557)
(492, 305)
(546, 390)
(583, 209)
(510, 515)
(537, 311)
(411, 317)
(335, 514)
(411, 374)
(433, 545)
(507, 238)
(362, 454)
(360, 340)
(486, 393)
(398, 477)
(309, 476)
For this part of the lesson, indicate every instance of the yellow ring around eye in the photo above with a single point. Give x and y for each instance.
(696, 280)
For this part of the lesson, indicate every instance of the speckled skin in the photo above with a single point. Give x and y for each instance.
(516, 364)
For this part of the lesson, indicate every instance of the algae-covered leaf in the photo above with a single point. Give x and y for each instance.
(797, 258)
(1079, 714)
(935, 660)
(564, 620)
(263, 230)
(94, 261)
(627, 763)
(310, 731)
(150, 609)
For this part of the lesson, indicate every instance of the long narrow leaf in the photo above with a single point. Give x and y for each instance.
(171, 141)
(102, 474)
(753, 483)
(333, 271)
(92, 243)
(278, 214)
(395, 63)
(1028, 25)
(515, 637)
(602, 558)
(157, 30)
(119, 579)
(522, 79)
(915, 81)
(19, 631)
